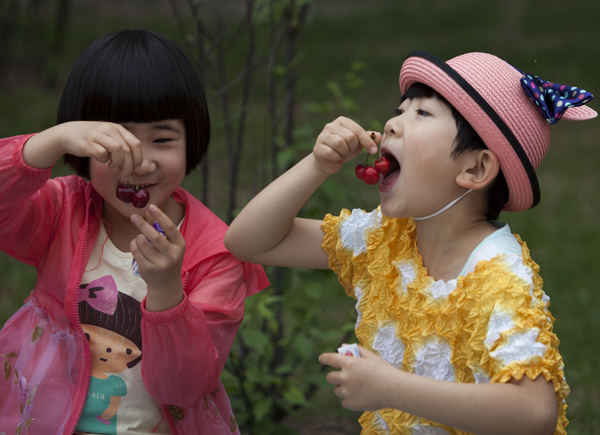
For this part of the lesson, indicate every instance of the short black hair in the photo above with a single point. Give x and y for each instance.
(136, 76)
(467, 139)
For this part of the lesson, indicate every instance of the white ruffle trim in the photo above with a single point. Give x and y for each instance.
(380, 423)
(441, 289)
(522, 271)
(500, 321)
(407, 272)
(388, 346)
(355, 229)
(433, 360)
(481, 378)
(520, 346)
(358, 294)
(422, 429)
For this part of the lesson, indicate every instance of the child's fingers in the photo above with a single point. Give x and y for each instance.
(139, 251)
(135, 146)
(334, 378)
(170, 229)
(119, 153)
(375, 136)
(334, 360)
(363, 137)
(98, 152)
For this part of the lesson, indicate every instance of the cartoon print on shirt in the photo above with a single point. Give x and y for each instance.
(111, 321)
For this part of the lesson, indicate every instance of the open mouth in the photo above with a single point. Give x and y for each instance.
(392, 174)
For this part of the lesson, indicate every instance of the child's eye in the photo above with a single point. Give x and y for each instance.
(163, 140)
(398, 112)
(422, 112)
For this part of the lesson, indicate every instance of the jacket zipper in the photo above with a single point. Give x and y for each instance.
(86, 347)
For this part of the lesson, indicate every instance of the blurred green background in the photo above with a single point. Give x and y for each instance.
(349, 54)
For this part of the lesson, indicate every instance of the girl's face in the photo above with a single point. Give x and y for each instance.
(418, 142)
(162, 171)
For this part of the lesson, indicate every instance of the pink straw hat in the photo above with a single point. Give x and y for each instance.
(488, 92)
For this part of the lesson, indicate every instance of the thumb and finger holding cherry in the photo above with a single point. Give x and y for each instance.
(339, 142)
(370, 174)
(104, 141)
(113, 144)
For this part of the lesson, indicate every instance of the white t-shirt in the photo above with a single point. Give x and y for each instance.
(110, 295)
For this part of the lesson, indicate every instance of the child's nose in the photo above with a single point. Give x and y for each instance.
(394, 127)
(148, 164)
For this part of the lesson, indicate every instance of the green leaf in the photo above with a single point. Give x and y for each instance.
(313, 290)
(304, 347)
(262, 408)
(335, 89)
(294, 396)
(255, 339)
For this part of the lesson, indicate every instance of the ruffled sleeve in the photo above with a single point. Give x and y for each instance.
(345, 242)
(511, 328)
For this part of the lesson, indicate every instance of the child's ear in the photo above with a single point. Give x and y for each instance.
(479, 170)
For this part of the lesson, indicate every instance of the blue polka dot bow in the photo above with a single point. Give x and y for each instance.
(553, 99)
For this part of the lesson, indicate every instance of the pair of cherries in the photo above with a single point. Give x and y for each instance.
(135, 195)
(370, 174)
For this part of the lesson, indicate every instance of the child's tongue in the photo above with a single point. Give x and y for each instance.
(390, 177)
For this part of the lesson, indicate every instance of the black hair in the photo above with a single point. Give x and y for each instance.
(125, 321)
(466, 140)
(136, 76)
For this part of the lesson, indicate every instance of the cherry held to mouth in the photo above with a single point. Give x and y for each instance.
(140, 198)
(382, 165)
(370, 174)
(124, 192)
(359, 171)
(137, 197)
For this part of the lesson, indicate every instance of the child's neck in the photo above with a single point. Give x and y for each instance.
(445, 244)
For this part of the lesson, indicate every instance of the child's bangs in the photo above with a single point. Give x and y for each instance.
(136, 89)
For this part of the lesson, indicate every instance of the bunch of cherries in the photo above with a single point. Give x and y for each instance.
(137, 196)
(370, 174)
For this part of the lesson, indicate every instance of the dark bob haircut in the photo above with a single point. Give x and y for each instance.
(467, 139)
(136, 76)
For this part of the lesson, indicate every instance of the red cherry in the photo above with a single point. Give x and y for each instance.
(140, 198)
(370, 175)
(359, 171)
(382, 165)
(124, 192)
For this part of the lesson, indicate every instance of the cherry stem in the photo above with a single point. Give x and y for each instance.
(134, 183)
(372, 137)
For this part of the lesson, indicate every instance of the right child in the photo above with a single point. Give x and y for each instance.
(444, 293)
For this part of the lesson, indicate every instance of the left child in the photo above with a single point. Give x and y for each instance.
(97, 348)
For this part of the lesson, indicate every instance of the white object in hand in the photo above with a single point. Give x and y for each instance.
(349, 350)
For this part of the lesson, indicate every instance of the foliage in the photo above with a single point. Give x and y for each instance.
(562, 231)
(273, 368)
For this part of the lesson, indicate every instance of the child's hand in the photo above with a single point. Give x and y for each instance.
(340, 141)
(159, 259)
(103, 141)
(362, 383)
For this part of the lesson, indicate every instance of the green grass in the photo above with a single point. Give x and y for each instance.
(559, 44)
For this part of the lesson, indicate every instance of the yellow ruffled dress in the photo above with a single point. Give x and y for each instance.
(490, 325)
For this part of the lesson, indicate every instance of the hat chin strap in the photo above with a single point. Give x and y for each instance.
(443, 209)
